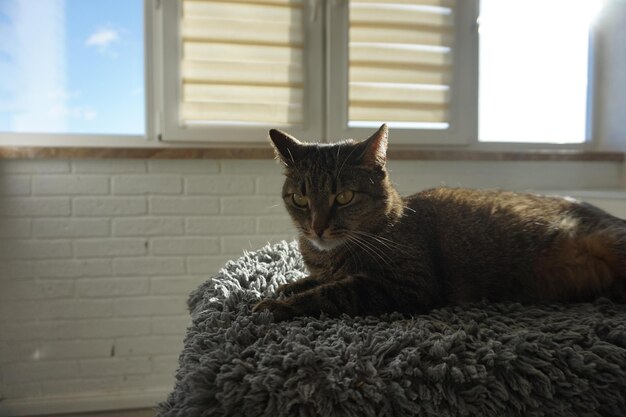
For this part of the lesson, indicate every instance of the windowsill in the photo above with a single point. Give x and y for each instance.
(8, 152)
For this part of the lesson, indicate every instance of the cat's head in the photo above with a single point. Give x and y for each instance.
(336, 193)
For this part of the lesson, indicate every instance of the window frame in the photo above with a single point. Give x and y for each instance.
(463, 122)
(148, 139)
(328, 119)
(591, 142)
(172, 131)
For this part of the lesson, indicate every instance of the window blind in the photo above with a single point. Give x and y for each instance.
(242, 62)
(400, 61)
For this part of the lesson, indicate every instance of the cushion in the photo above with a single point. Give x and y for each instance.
(484, 359)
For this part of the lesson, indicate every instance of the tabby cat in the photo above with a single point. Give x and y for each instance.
(370, 251)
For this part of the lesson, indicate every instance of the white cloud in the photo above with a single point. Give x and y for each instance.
(63, 94)
(137, 91)
(76, 112)
(89, 115)
(102, 38)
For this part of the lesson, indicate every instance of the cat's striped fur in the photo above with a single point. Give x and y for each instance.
(380, 252)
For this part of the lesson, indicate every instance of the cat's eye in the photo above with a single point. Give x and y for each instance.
(344, 197)
(300, 200)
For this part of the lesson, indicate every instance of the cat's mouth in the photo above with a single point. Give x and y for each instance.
(325, 244)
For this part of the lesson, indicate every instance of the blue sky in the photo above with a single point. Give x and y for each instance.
(72, 66)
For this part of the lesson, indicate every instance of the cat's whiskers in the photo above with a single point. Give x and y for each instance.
(397, 247)
(388, 243)
(357, 259)
(328, 241)
(362, 246)
(353, 255)
(397, 203)
(371, 250)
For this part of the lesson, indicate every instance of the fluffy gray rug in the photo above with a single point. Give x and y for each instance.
(480, 360)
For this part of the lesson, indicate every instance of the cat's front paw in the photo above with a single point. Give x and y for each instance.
(288, 289)
(298, 286)
(279, 309)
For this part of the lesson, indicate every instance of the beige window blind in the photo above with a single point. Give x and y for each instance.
(242, 62)
(400, 63)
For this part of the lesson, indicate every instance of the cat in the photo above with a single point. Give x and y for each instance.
(369, 251)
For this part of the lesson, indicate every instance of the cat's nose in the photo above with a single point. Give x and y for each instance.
(318, 226)
(319, 222)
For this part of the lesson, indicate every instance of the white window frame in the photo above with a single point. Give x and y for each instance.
(325, 20)
(327, 115)
(171, 129)
(147, 140)
(591, 142)
(463, 107)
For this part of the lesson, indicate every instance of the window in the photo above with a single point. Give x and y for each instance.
(403, 62)
(72, 67)
(241, 63)
(140, 72)
(234, 68)
(534, 70)
(400, 64)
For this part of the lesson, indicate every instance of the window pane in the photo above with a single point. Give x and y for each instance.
(242, 64)
(534, 59)
(72, 66)
(400, 64)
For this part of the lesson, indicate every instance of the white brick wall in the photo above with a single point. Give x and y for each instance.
(97, 257)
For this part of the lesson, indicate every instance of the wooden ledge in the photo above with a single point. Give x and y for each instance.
(134, 153)
(530, 155)
(267, 153)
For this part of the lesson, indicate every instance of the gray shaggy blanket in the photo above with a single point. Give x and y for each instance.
(485, 359)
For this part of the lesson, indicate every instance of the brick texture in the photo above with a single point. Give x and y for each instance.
(97, 257)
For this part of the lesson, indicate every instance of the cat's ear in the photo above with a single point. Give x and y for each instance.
(373, 152)
(288, 149)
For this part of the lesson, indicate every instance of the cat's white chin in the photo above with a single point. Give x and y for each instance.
(325, 244)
